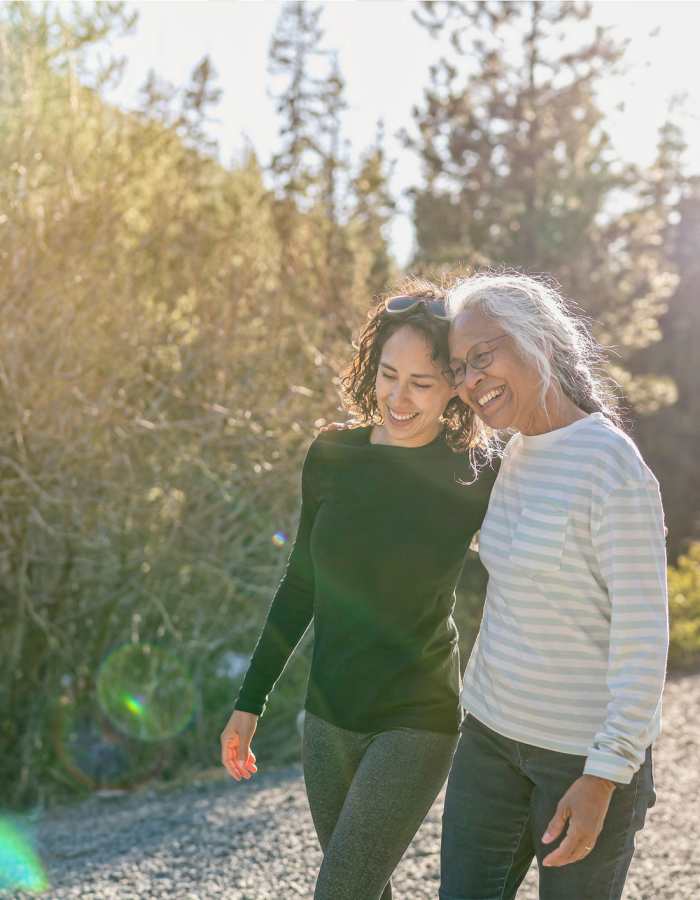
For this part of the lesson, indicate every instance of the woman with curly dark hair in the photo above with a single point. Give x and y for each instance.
(388, 511)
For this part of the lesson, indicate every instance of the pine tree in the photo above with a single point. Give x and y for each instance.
(373, 207)
(199, 96)
(514, 155)
(681, 331)
(337, 257)
(668, 435)
(310, 169)
(309, 103)
(520, 172)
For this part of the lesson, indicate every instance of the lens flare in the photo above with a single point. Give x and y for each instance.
(93, 753)
(20, 866)
(279, 539)
(145, 692)
(133, 704)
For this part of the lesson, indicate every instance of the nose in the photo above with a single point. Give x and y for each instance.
(472, 378)
(398, 392)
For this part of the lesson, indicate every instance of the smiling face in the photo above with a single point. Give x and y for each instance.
(411, 390)
(506, 394)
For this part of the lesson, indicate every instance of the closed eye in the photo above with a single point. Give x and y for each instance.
(422, 387)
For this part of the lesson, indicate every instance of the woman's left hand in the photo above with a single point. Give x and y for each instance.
(584, 806)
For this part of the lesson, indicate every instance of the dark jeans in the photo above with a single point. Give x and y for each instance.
(500, 797)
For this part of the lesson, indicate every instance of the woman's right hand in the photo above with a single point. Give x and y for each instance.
(236, 756)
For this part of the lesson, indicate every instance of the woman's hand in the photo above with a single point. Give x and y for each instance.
(236, 756)
(584, 806)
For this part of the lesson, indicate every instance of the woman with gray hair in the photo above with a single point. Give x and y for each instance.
(563, 687)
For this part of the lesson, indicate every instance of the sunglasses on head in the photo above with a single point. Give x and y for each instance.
(403, 303)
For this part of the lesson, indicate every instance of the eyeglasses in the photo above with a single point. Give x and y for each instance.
(479, 357)
(404, 303)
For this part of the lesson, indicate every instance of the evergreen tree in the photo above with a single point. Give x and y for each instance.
(515, 158)
(667, 387)
(519, 170)
(309, 103)
(343, 262)
(668, 436)
(199, 96)
(309, 168)
(373, 208)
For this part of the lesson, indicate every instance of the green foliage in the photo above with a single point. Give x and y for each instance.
(164, 357)
(684, 608)
(519, 171)
(669, 434)
(340, 241)
(173, 332)
(514, 154)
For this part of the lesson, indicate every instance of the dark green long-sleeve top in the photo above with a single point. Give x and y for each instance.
(380, 545)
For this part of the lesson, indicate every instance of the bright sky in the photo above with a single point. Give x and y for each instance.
(384, 56)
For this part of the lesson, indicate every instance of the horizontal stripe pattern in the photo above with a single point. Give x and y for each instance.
(571, 653)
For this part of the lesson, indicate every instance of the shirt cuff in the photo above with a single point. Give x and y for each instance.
(610, 766)
(250, 706)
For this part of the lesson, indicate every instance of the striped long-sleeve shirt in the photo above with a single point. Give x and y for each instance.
(571, 653)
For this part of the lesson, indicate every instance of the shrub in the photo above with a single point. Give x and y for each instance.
(684, 608)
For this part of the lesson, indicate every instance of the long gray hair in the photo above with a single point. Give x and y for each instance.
(545, 332)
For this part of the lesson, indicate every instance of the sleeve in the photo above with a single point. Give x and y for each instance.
(290, 612)
(629, 543)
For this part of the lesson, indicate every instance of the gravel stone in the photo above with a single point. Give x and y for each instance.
(255, 840)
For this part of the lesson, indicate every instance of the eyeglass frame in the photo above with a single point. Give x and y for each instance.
(467, 362)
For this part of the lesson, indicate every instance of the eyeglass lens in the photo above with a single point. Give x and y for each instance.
(477, 358)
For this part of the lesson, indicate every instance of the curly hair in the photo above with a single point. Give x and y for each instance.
(358, 381)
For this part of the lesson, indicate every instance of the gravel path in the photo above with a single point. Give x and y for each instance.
(255, 840)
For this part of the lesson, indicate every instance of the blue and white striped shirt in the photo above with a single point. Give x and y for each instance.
(571, 653)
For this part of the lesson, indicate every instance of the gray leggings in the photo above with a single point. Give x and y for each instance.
(368, 795)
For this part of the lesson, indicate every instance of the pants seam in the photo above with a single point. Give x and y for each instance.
(620, 861)
(526, 824)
